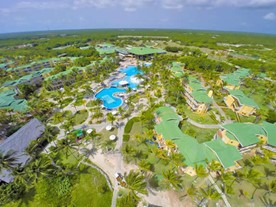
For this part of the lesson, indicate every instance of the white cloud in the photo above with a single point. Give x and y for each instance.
(42, 5)
(4, 11)
(177, 4)
(127, 5)
(270, 16)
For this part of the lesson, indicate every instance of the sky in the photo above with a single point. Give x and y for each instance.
(226, 15)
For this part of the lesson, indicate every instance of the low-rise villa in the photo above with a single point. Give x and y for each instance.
(144, 52)
(167, 129)
(246, 136)
(105, 49)
(196, 95)
(270, 130)
(9, 102)
(18, 142)
(177, 69)
(233, 80)
(238, 102)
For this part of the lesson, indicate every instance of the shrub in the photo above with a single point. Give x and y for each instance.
(126, 137)
(130, 123)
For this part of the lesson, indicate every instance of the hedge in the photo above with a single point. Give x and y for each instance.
(130, 123)
(126, 137)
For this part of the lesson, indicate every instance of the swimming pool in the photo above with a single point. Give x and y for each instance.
(130, 72)
(110, 101)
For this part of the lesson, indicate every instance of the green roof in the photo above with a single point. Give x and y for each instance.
(177, 69)
(27, 78)
(226, 154)
(145, 51)
(231, 79)
(7, 101)
(2, 65)
(194, 152)
(201, 97)
(270, 130)
(59, 75)
(243, 99)
(199, 93)
(244, 133)
(105, 48)
(167, 113)
(78, 132)
(235, 77)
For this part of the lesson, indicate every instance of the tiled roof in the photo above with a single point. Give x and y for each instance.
(18, 142)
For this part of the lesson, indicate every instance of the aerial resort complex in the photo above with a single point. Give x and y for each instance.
(137, 118)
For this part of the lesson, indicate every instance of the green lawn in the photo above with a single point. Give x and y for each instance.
(202, 135)
(80, 117)
(105, 141)
(200, 118)
(91, 190)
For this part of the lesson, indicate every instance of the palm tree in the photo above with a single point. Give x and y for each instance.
(210, 195)
(39, 167)
(171, 179)
(67, 145)
(200, 172)
(111, 118)
(171, 146)
(160, 154)
(8, 160)
(267, 201)
(135, 182)
(177, 159)
(214, 166)
(269, 187)
(144, 166)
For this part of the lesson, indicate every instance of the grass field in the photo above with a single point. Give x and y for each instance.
(202, 135)
(80, 117)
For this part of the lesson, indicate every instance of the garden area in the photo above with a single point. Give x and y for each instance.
(80, 117)
(81, 186)
(202, 135)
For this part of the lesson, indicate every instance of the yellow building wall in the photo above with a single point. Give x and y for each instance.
(246, 110)
(229, 100)
(202, 108)
(190, 171)
(229, 141)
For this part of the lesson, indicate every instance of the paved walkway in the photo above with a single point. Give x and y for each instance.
(222, 113)
(204, 126)
(224, 198)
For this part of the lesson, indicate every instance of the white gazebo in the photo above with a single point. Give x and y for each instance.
(108, 127)
(114, 113)
(112, 137)
(123, 83)
(89, 131)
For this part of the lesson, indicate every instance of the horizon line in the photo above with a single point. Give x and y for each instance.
(130, 28)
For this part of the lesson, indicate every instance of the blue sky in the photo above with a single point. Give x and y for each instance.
(230, 15)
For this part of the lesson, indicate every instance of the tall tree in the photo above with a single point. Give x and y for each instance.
(8, 160)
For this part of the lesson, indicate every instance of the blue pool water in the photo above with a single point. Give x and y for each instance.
(106, 94)
(129, 71)
(110, 101)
